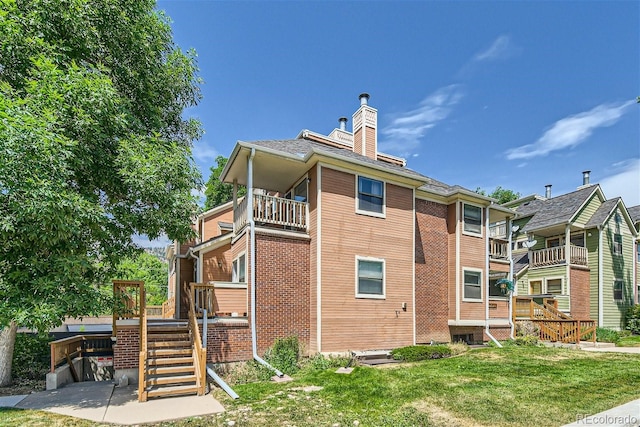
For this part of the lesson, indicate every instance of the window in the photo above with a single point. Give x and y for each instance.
(577, 240)
(472, 219)
(554, 286)
(370, 280)
(494, 291)
(238, 269)
(617, 244)
(472, 285)
(370, 195)
(617, 290)
(638, 251)
(554, 243)
(535, 287)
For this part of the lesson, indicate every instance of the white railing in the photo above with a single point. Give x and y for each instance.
(498, 230)
(498, 249)
(273, 210)
(557, 255)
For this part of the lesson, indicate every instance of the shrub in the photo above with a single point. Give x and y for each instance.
(607, 335)
(415, 353)
(31, 357)
(458, 348)
(526, 329)
(319, 362)
(632, 319)
(284, 354)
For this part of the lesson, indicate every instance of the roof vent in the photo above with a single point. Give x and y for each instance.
(343, 123)
(547, 192)
(364, 98)
(585, 177)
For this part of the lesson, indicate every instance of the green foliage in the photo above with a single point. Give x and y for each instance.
(94, 149)
(458, 348)
(144, 266)
(502, 195)
(31, 357)
(284, 354)
(415, 353)
(319, 362)
(607, 335)
(217, 192)
(632, 319)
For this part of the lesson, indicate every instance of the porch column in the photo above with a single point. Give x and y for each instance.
(235, 202)
(567, 250)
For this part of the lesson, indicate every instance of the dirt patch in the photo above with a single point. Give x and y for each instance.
(442, 417)
(23, 387)
(488, 355)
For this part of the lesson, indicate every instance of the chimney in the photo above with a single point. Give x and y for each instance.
(365, 129)
(585, 178)
(343, 123)
(547, 192)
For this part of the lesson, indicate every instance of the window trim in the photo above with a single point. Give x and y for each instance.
(382, 214)
(615, 282)
(384, 278)
(480, 273)
(464, 223)
(235, 277)
(617, 248)
(546, 284)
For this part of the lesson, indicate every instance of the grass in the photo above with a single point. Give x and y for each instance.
(629, 341)
(512, 386)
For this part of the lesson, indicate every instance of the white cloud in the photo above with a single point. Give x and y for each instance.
(502, 47)
(571, 131)
(205, 153)
(406, 129)
(142, 240)
(624, 182)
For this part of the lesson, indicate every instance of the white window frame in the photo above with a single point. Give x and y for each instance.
(617, 246)
(546, 285)
(382, 214)
(615, 282)
(464, 223)
(235, 265)
(480, 273)
(384, 278)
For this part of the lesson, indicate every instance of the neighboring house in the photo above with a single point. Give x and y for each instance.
(578, 248)
(634, 213)
(348, 250)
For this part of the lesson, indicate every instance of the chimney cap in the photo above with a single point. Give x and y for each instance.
(364, 98)
(343, 119)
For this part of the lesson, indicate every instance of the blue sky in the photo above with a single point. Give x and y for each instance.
(480, 94)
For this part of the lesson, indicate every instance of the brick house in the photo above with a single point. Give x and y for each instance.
(348, 249)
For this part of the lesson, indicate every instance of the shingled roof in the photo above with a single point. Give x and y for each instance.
(634, 213)
(554, 211)
(602, 213)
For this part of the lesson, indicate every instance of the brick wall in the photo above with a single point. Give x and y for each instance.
(282, 291)
(126, 351)
(499, 333)
(580, 293)
(228, 342)
(432, 278)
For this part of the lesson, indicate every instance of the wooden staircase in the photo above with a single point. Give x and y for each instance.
(170, 369)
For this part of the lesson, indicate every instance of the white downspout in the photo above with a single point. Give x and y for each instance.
(252, 249)
(510, 300)
(485, 288)
(600, 280)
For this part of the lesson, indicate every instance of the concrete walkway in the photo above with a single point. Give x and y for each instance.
(102, 401)
(627, 415)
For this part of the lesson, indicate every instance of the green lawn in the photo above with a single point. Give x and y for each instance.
(512, 386)
(630, 341)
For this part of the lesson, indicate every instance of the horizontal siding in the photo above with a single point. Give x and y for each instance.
(498, 309)
(588, 210)
(211, 228)
(211, 271)
(231, 301)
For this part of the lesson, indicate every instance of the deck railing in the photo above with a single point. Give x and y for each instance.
(566, 330)
(169, 308)
(557, 255)
(498, 250)
(220, 299)
(199, 352)
(128, 299)
(273, 210)
(67, 349)
(498, 231)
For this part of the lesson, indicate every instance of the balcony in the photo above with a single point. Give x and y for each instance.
(498, 231)
(273, 211)
(557, 255)
(498, 249)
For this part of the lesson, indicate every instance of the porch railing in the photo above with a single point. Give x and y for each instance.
(499, 250)
(498, 231)
(275, 211)
(67, 349)
(169, 308)
(566, 330)
(220, 299)
(557, 255)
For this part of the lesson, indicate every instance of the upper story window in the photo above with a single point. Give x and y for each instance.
(370, 196)
(472, 219)
(238, 269)
(370, 278)
(472, 285)
(617, 244)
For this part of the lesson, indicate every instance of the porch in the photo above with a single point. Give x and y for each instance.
(274, 212)
(578, 255)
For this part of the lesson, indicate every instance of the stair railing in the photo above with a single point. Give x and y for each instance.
(142, 367)
(199, 353)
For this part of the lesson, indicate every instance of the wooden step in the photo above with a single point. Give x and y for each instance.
(172, 391)
(167, 329)
(166, 336)
(175, 379)
(164, 370)
(170, 361)
(166, 344)
(168, 352)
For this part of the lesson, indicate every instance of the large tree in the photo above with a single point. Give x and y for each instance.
(94, 148)
(216, 191)
(502, 195)
(147, 267)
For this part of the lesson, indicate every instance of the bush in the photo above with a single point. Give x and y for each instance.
(319, 362)
(607, 335)
(415, 353)
(632, 319)
(284, 354)
(31, 357)
(458, 348)
(527, 329)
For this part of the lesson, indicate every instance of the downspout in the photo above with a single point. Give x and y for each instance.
(486, 275)
(252, 250)
(510, 300)
(600, 280)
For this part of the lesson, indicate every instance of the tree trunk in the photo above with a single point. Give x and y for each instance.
(7, 342)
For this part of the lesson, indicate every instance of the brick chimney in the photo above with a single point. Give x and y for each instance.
(365, 129)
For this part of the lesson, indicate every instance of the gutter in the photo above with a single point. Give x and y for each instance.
(486, 275)
(600, 280)
(510, 300)
(252, 243)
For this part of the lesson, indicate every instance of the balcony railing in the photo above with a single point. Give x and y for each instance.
(498, 250)
(557, 255)
(270, 210)
(498, 231)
